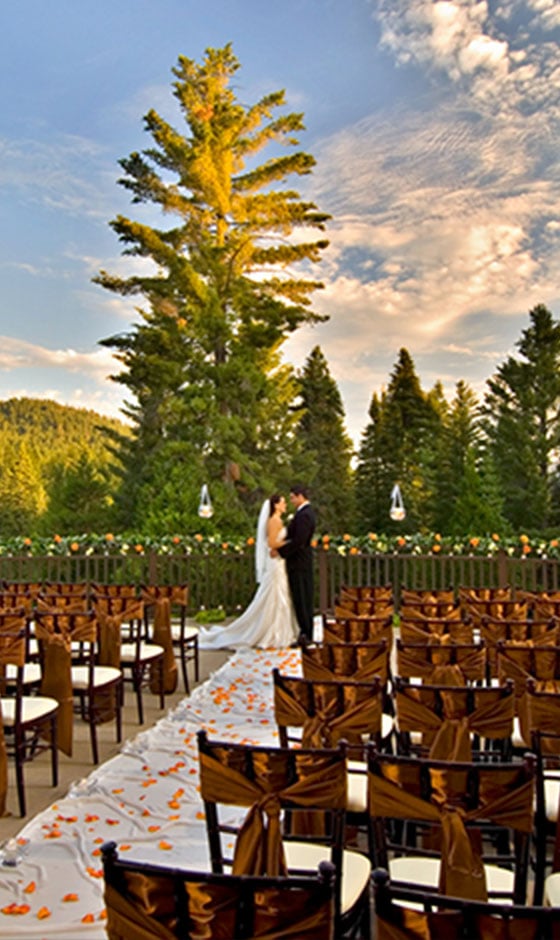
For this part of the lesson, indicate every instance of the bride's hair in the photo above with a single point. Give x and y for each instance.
(274, 500)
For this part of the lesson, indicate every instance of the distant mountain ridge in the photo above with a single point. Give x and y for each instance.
(46, 424)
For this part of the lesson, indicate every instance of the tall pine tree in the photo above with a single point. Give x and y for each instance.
(223, 292)
(326, 456)
(522, 408)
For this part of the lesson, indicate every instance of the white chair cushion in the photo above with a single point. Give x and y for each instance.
(147, 651)
(102, 675)
(356, 868)
(31, 673)
(416, 870)
(190, 633)
(356, 786)
(552, 890)
(516, 737)
(33, 708)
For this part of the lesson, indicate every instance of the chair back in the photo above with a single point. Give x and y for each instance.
(439, 610)
(451, 806)
(144, 900)
(297, 794)
(402, 913)
(435, 596)
(422, 628)
(357, 629)
(76, 602)
(450, 717)
(328, 711)
(66, 588)
(441, 661)
(357, 661)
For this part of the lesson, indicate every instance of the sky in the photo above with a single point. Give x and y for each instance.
(435, 127)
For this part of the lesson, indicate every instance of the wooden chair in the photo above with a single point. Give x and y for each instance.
(30, 721)
(309, 787)
(66, 588)
(422, 628)
(125, 645)
(77, 602)
(546, 747)
(429, 596)
(145, 900)
(114, 590)
(402, 913)
(320, 714)
(438, 609)
(494, 630)
(184, 638)
(357, 629)
(454, 722)
(367, 592)
(441, 660)
(97, 688)
(460, 827)
(359, 662)
(467, 594)
(31, 588)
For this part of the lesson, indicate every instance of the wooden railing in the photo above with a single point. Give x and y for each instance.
(229, 580)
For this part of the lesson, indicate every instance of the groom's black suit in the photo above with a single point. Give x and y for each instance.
(299, 564)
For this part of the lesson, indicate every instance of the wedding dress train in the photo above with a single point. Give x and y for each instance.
(268, 621)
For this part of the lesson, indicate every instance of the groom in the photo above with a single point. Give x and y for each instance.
(299, 558)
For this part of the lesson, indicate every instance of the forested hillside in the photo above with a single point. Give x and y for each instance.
(56, 472)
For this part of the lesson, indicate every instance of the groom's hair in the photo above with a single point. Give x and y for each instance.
(300, 490)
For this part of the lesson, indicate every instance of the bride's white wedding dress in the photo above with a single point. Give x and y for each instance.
(268, 621)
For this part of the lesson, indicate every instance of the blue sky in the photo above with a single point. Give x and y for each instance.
(435, 126)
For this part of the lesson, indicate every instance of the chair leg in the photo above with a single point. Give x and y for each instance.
(118, 710)
(196, 663)
(184, 669)
(137, 677)
(54, 751)
(19, 753)
(93, 732)
(161, 686)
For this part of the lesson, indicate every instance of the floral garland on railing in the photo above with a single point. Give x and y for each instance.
(521, 546)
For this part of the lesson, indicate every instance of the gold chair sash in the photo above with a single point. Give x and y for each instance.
(56, 680)
(462, 871)
(175, 593)
(418, 631)
(441, 662)
(258, 848)
(491, 719)
(162, 636)
(329, 724)
(212, 912)
(358, 630)
(350, 662)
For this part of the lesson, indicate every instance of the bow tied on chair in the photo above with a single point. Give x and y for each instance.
(259, 849)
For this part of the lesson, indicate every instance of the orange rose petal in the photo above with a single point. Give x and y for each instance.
(165, 846)
(153, 828)
(70, 897)
(42, 913)
(30, 888)
(88, 919)
(103, 914)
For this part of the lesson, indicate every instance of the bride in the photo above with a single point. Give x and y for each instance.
(269, 619)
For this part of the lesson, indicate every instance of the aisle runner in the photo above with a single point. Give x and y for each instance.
(146, 800)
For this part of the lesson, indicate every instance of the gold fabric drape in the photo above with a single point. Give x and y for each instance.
(333, 719)
(148, 912)
(162, 636)
(507, 802)
(358, 630)
(421, 629)
(55, 634)
(359, 662)
(492, 718)
(321, 784)
(440, 661)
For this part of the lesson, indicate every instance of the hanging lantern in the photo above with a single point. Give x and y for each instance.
(397, 511)
(205, 510)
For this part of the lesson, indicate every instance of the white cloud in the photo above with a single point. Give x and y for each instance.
(18, 354)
